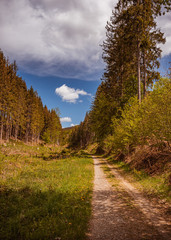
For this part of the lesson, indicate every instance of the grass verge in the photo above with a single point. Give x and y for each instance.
(43, 197)
(152, 186)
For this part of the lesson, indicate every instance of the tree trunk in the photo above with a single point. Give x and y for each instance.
(38, 138)
(32, 139)
(1, 131)
(7, 128)
(121, 83)
(138, 71)
(16, 132)
(7, 132)
(138, 64)
(10, 130)
(145, 75)
(27, 133)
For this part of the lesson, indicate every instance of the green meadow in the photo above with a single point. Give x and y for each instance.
(44, 195)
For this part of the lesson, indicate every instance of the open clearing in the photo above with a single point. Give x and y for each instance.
(121, 212)
(42, 196)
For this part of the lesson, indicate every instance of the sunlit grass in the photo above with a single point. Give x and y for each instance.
(156, 185)
(44, 199)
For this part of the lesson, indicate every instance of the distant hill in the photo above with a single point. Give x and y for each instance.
(69, 128)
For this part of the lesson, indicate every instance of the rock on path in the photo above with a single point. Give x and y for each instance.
(119, 213)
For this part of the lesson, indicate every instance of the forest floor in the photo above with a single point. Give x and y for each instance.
(120, 211)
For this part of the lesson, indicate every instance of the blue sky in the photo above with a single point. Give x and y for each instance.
(46, 86)
(56, 44)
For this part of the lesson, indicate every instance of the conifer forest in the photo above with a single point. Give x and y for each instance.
(22, 114)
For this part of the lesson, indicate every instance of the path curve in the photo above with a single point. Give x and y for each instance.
(120, 212)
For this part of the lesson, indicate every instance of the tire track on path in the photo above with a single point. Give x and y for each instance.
(121, 212)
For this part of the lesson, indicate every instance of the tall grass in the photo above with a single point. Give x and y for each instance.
(43, 197)
(152, 186)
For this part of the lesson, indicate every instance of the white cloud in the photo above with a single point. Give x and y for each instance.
(72, 125)
(60, 38)
(70, 95)
(164, 23)
(66, 119)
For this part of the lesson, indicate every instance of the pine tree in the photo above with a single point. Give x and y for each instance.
(2, 92)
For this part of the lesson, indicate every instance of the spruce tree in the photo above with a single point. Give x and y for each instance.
(131, 48)
(21, 110)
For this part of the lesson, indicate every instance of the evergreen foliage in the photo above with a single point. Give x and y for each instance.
(22, 115)
(81, 135)
(131, 46)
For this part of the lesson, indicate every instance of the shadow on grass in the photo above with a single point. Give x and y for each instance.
(55, 157)
(30, 214)
(64, 155)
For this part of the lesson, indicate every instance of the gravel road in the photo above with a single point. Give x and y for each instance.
(121, 212)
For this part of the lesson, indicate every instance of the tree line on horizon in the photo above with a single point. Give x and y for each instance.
(131, 52)
(22, 114)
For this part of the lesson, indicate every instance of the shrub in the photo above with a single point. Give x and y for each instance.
(143, 123)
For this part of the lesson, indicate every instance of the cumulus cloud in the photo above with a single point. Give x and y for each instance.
(59, 38)
(66, 119)
(72, 125)
(70, 95)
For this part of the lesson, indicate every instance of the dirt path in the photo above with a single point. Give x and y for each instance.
(120, 212)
